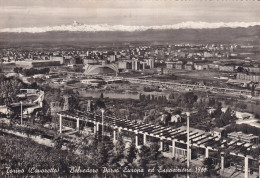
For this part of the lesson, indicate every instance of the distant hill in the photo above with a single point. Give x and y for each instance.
(249, 35)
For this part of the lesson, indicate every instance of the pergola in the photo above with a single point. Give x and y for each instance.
(197, 137)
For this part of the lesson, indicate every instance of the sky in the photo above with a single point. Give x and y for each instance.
(39, 13)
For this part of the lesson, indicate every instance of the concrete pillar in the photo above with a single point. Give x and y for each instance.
(206, 152)
(161, 145)
(259, 168)
(136, 140)
(103, 124)
(145, 139)
(95, 128)
(222, 161)
(77, 126)
(246, 167)
(188, 142)
(21, 113)
(114, 135)
(60, 123)
(173, 148)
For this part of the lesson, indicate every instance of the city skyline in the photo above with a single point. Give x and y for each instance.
(14, 14)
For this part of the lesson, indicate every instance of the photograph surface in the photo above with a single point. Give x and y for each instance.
(130, 88)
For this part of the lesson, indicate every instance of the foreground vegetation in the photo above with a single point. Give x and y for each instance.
(86, 157)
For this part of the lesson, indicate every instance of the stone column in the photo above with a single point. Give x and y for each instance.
(222, 160)
(145, 139)
(60, 123)
(77, 126)
(246, 167)
(206, 152)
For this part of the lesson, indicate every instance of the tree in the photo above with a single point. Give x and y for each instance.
(9, 88)
(58, 142)
(155, 151)
(203, 113)
(100, 104)
(25, 153)
(18, 70)
(211, 102)
(101, 154)
(120, 147)
(253, 89)
(34, 85)
(94, 144)
(256, 152)
(241, 106)
(33, 71)
(108, 143)
(226, 117)
(73, 99)
(219, 122)
(188, 99)
(71, 146)
(240, 69)
(101, 96)
(208, 162)
(116, 111)
(171, 96)
(131, 153)
(177, 111)
(217, 113)
(218, 105)
(84, 145)
(144, 155)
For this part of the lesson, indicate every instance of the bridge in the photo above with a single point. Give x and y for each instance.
(172, 140)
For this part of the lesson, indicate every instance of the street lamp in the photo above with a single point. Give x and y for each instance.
(102, 111)
(188, 142)
(21, 112)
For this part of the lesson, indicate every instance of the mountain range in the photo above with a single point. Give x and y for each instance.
(76, 33)
(77, 27)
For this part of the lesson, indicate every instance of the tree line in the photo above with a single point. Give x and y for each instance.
(31, 71)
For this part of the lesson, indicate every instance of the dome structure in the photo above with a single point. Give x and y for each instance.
(101, 69)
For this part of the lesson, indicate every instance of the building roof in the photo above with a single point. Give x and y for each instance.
(241, 134)
(216, 129)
